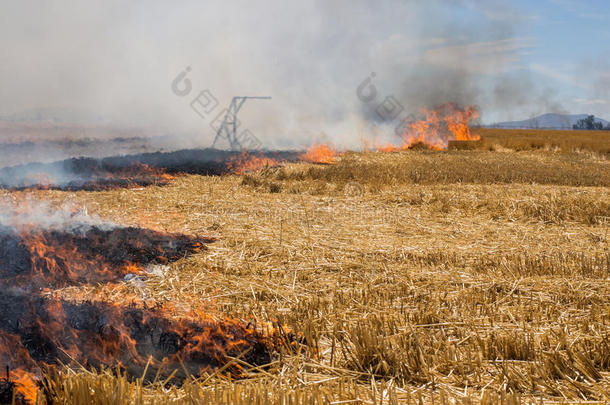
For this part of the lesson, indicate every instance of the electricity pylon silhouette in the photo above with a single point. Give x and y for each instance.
(228, 128)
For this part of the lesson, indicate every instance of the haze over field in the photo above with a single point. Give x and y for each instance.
(548, 121)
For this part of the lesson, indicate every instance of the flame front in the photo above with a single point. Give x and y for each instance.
(248, 162)
(439, 126)
(25, 383)
(41, 328)
(434, 130)
(320, 153)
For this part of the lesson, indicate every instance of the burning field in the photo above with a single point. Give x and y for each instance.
(304, 202)
(315, 276)
(137, 170)
(43, 250)
(433, 130)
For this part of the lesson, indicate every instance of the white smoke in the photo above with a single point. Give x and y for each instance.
(117, 60)
(34, 215)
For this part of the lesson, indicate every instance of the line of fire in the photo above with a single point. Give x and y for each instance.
(38, 258)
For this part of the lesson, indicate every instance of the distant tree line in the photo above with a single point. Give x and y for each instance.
(590, 124)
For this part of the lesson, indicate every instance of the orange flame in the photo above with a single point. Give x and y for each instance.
(321, 153)
(446, 122)
(25, 385)
(457, 123)
(73, 254)
(247, 162)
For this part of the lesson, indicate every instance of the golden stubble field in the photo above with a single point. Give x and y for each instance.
(462, 276)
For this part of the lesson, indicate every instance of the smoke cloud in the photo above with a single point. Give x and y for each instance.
(32, 214)
(118, 60)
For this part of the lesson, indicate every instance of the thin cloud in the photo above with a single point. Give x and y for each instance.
(557, 75)
(594, 101)
(481, 57)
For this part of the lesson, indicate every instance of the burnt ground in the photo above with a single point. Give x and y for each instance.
(56, 258)
(145, 169)
(7, 393)
(49, 331)
(37, 328)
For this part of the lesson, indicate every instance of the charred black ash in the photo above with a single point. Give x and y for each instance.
(85, 256)
(8, 393)
(93, 174)
(98, 333)
(37, 328)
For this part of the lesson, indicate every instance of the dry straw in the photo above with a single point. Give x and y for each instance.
(459, 277)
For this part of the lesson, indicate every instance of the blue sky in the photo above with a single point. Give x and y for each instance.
(570, 50)
(565, 29)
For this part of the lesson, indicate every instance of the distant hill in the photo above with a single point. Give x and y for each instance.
(546, 121)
